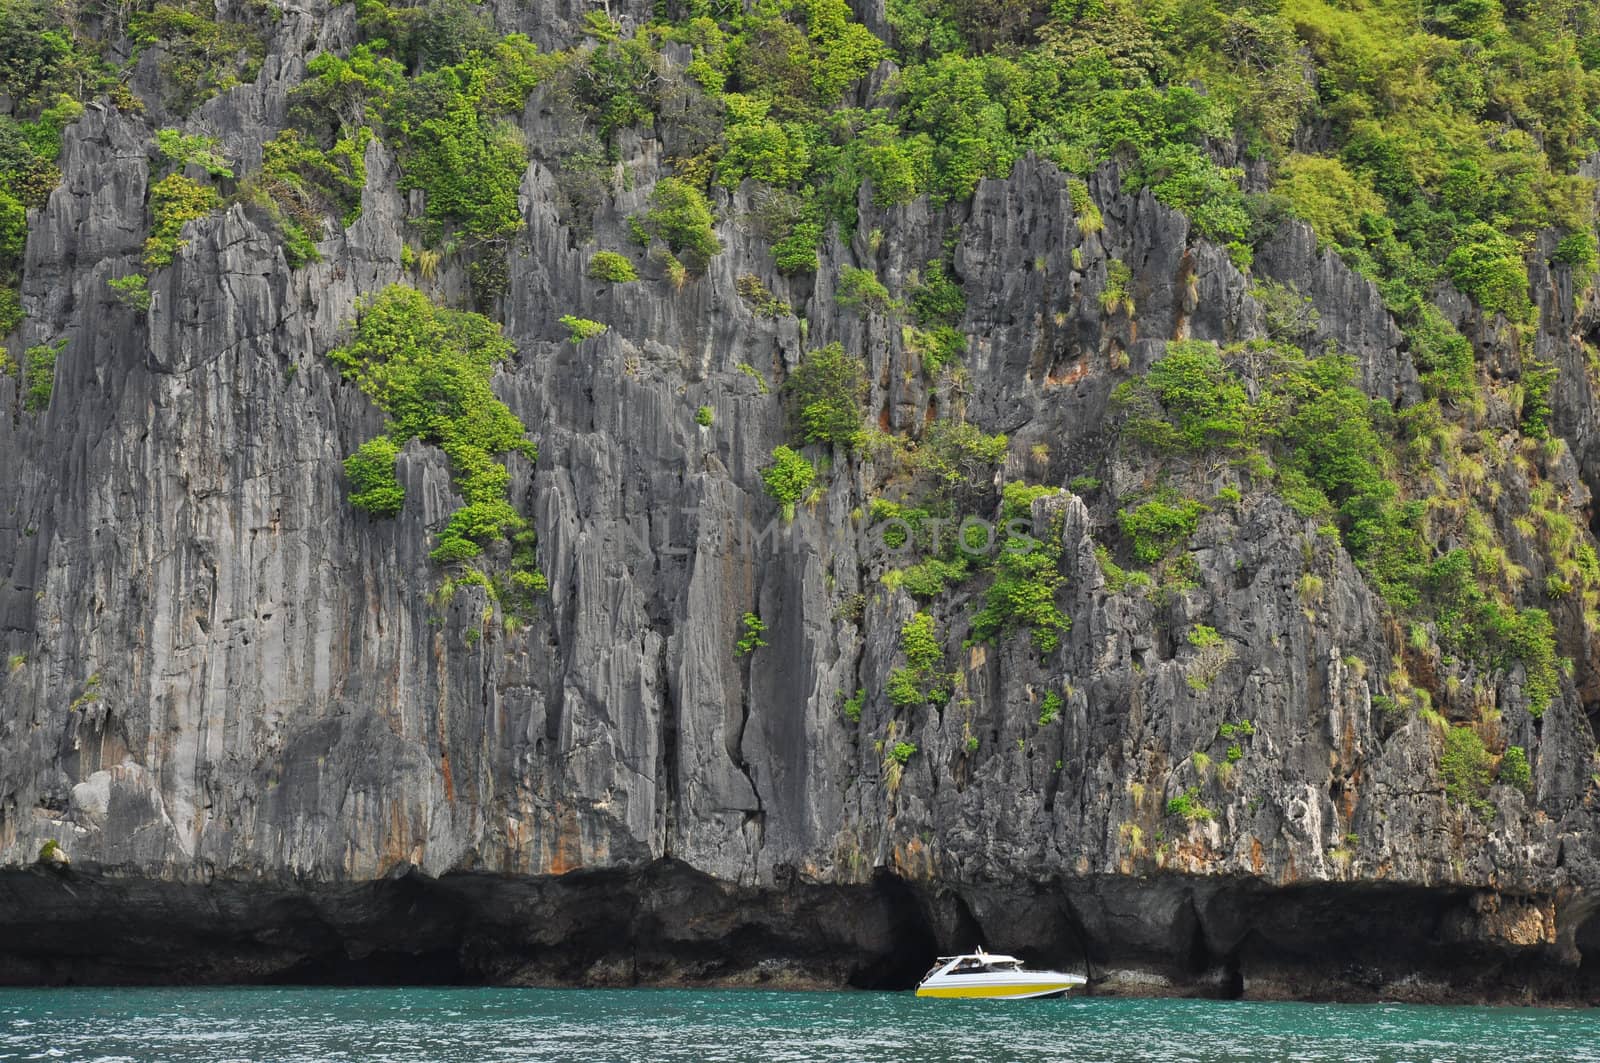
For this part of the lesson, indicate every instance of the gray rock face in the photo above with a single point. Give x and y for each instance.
(222, 681)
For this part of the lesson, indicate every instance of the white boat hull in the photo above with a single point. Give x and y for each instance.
(1030, 985)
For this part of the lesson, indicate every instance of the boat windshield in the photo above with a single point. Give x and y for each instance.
(973, 966)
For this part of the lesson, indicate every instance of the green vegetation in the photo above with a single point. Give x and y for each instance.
(1212, 654)
(132, 291)
(751, 639)
(854, 704)
(1393, 130)
(1084, 485)
(429, 370)
(902, 752)
(1464, 764)
(1188, 402)
(50, 852)
(825, 394)
(958, 452)
(704, 416)
(88, 696)
(612, 268)
(457, 142)
(680, 217)
(581, 328)
(1188, 807)
(920, 682)
(374, 487)
(759, 298)
(1114, 297)
(179, 150)
(174, 201)
(861, 290)
(1335, 455)
(451, 123)
(788, 478)
(201, 54)
(300, 185)
(1049, 708)
(1027, 573)
(1514, 769)
(937, 298)
(933, 577)
(1157, 527)
(39, 374)
(754, 374)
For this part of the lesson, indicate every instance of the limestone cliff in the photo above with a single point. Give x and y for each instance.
(272, 749)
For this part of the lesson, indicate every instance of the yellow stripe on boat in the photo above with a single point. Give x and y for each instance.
(993, 991)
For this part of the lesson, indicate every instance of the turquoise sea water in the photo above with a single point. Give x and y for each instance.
(479, 1025)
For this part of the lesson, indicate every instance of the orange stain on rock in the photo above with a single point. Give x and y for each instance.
(1073, 373)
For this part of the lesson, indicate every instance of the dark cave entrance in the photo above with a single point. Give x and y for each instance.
(1587, 940)
(914, 945)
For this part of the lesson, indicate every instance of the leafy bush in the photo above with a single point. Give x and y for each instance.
(759, 298)
(1027, 575)
(1188, 401)
(429, 370)
(704, 416)
(903, 689)
(1160, 525)
(180, 150)
(174, 201)
(374, 487)
(1114, 297)
(1333, 200)
(1538, 378)
(957, 452)
(1049, 708)
(920, 644)
(1580, 251)
(470, 165)
(825, 394)
(612, 268)
(39, 374)
(751, 639)
(1488, 265)
(453, 129)
(680, 217)
(1465, 765)
(581, 328)
(938, 299)
(201, 54)
(618, 82)
(132, 291)
(938, 348)
(853, 706)
(1444, 356)
(933, 577)
(860, 289)
(788, 479)
(1188, 807)
(1514, 770)
(300, 185)
(758, 147)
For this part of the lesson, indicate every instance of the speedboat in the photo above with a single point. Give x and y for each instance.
(983, 975)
